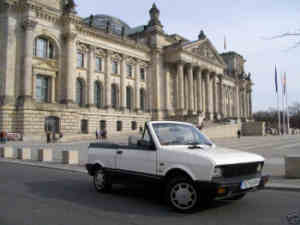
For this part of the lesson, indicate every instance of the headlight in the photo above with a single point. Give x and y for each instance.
(259, 167)
(218, 172)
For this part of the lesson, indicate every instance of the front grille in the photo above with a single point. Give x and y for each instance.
(239, 170)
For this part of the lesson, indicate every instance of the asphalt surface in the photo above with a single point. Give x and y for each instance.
(40, 196)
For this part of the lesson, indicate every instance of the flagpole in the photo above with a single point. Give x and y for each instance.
(283, 108)
(287, 108)
(278, 110)
(277, 93)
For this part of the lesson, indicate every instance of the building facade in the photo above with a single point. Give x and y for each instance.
(74, 75)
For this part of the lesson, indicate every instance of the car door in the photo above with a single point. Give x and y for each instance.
(140, 160)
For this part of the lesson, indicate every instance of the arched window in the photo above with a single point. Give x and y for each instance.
(79, 92)
(98, 90)
(129, 97)
(114, 96)
(44, 48)
(142, 99)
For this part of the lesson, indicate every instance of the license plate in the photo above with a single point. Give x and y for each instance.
(250, 183)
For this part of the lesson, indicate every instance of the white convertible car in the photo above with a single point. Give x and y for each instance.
(176, 155)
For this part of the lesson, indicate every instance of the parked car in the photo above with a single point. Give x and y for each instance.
(190, 168)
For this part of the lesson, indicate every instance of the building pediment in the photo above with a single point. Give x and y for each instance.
(204, 49)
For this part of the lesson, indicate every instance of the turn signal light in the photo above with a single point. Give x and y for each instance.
(221, 191)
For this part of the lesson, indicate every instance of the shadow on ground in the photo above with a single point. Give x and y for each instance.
(134, 199)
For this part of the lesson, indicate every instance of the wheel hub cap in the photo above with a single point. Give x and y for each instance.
(183, 196)
(99, 180)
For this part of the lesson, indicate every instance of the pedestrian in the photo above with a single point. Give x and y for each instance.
(4, 137)
(239, 133)
(60, 135)
(141, 129)
(1, 137)
(48, 137)
(97, 134)
(104, 133)
(53, 136)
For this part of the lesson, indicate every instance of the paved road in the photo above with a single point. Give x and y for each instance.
(31, 196)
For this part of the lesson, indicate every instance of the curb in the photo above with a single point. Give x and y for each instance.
(270, 186)
(45, 165)
(282, 187)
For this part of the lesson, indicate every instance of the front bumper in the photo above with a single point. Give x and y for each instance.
(222, 188)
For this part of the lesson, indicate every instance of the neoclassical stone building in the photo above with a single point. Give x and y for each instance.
(70, 74)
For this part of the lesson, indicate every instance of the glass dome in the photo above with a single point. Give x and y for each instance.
(100, 22)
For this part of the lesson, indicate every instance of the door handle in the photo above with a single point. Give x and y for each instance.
(119, 152)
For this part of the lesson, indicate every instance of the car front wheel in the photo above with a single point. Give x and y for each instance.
(182, 194)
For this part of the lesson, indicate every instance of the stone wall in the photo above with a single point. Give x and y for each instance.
(30, 121)
(222, 131)
(253, 129)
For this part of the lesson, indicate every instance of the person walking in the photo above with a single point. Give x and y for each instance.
(97, 134)
(239, 133)
(48, 137)
(1, 137)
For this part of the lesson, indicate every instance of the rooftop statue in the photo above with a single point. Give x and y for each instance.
(69, 6)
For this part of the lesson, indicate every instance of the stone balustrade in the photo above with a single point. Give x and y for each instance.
(7, 152)
(70, 157)
(24, 154)
(292, 166)
(45, 155)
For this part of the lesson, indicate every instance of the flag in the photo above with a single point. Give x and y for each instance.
(276, 84)
(225, 45)
(284, 84)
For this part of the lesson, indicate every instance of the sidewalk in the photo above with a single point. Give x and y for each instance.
(277, 180)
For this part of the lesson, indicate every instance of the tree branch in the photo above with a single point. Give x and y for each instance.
(287, 34)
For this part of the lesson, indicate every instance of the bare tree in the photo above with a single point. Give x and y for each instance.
(288, 34)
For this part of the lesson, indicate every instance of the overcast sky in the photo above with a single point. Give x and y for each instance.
(246, 25)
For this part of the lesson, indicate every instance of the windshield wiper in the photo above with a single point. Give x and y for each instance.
(194, 145)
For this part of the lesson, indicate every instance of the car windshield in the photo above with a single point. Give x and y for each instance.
(179, 134)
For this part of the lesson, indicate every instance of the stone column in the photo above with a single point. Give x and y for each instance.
(208, 96)
(156, 84)
(214, 90)
(28, 26)
(199, 90)
(137, 87)
(122, 83)
(221, 96)
(52, 92)
(180, 87)
(167, 88)
(237, 100)
(245, 102)
(203, 93)
(8, 56)
(250, 103)
(108, 79)
(70, 66)
(191, 90)
(91, 70)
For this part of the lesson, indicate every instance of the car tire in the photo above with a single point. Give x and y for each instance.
(182, 194)
(237, 197)
(101, 181)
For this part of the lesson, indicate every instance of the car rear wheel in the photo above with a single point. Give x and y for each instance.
(101, 181)
(182, 194)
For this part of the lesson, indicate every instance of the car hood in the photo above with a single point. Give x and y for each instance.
(223, 156)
